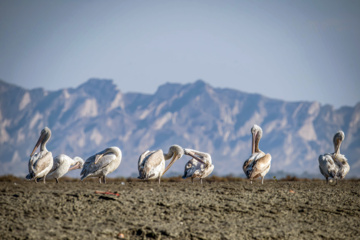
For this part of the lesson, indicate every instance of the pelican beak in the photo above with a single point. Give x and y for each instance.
(193, 156)
(337, 148)
(253, 143)
(37, 144)
(173, 160)
(98, 157)
(76, 166)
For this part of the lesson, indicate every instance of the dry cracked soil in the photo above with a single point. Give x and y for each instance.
(179, 210)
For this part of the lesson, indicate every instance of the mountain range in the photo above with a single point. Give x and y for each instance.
(96, 115)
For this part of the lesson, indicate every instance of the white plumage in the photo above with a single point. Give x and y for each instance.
(102, 163)
(151, 164)
(62, 164)
(334, 165)
(258, 164)
(200, 166)
(40, 163)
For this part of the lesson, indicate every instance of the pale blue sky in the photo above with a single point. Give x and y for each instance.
(291, 50)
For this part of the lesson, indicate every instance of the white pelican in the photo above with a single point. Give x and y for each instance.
(258, 164)
(151, 164)
(41, 163)
(102, 163)
(63, 164)
(334, 165)
(200, 166)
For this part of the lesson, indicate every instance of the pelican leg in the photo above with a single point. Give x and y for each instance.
(44, 179)
(35, 180)
(201, 180)
(100, 180)
(57, 181)
(327, 180)
(192, 180)
(159, 180)
(104, 179)
(262, 180)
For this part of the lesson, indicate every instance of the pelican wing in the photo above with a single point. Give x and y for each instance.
(43, 162)
(207, 171)
(249, 163)
(344, 167)
(154, 159)
(327, 166)
(142, 158)
(31, 164)
(261, 165)
(246, 166)
(90, 166)
(56, 163)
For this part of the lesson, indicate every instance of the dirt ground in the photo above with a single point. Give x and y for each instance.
(179, 210)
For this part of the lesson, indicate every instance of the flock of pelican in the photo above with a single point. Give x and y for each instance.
(151, 164)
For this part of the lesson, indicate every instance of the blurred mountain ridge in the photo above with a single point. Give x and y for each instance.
(96, 114)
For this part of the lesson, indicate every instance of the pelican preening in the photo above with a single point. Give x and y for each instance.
(200, 166)
(62, 164)
(334, 165)
(151, 164)
(102, 163)
(258, 164)
(40, 163)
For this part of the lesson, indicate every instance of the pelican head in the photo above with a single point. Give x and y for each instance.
(338, 138)
(113, 150)
(176, 152)
(78, 163)
(256, 132)
(44, 137)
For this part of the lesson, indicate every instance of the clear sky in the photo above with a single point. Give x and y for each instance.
(290, 50)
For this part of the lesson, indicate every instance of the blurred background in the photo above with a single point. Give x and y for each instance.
(195, 73)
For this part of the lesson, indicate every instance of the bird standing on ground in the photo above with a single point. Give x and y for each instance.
(258, 164)
(102, 163)
(63, 164)
(334, 165)
(151, 164)
(40, 163)
(200, 166)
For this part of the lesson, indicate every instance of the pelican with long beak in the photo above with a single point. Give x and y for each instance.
(258, 164)
(63, 164)
(151, 164)
(334, 165)
(200, 166)
(102, 163)
(40, 163)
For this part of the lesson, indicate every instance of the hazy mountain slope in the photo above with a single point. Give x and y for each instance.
(97, 114)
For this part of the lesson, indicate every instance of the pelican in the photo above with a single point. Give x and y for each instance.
(40, 163)
(334, 165)
(258, 164)
(200, 166)
(151, 164)
(62, 164)
(102, 163)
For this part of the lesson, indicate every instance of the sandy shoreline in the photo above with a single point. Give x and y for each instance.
(180, 210)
